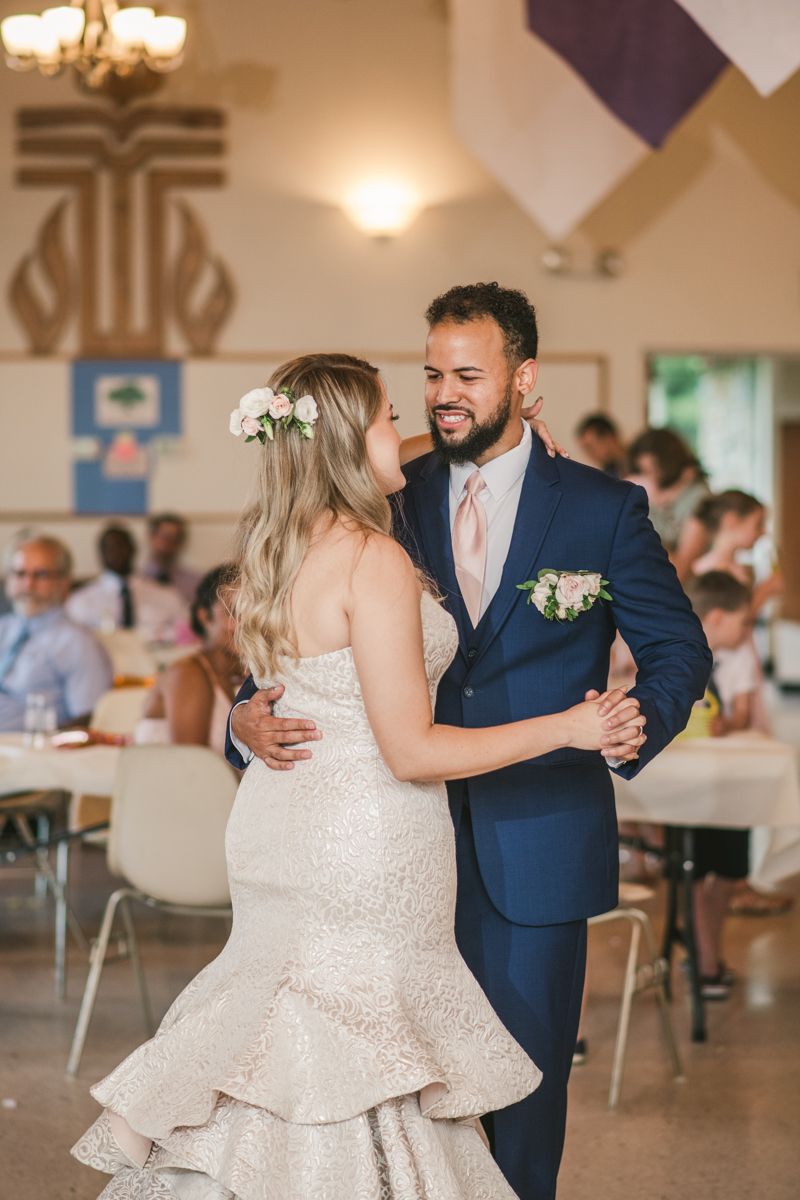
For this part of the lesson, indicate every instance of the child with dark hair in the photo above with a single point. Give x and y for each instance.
(721, 856)
(191, 700)
(734, 521)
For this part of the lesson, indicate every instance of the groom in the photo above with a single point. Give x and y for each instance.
(536, 843)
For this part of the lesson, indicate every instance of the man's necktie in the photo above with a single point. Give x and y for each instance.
(469, 546)
(127, 605)
(11, 652)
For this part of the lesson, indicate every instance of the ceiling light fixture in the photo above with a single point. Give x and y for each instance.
(382, 208)
(99, 39)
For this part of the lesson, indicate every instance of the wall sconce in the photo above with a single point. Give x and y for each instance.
(608, 264)
(382, 208)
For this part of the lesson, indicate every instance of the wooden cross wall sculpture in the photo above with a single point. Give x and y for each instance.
(124, 146)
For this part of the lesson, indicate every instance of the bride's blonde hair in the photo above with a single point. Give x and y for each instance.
(299, 482)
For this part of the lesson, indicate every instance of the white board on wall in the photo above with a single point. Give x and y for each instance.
(571, 389)
(35, 437)
(210, 471)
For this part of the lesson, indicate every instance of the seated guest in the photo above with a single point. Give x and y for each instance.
(735, 521)
(721, 856)
(191, 700)
(670, 473)
(600, 441)
(118, 599)
(41, 649)
(166, 537)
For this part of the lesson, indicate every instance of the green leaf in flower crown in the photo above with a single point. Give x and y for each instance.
(251, 438)
(268, 432)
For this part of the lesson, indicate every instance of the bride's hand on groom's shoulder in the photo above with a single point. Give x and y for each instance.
(609, 722)
(271, 738)
(529, 414)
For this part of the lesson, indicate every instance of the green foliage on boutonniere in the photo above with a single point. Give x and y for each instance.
(564, 595)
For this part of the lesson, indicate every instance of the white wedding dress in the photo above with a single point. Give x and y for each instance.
(338, 1048)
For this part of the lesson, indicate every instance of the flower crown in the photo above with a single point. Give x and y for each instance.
(262, 410)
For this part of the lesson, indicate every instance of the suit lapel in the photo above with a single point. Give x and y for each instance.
(538, 502)
(432, 503)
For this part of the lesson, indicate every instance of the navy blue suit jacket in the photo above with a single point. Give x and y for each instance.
(546, 830)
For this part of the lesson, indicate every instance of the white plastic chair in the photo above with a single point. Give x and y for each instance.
(167, 839)
(638, 978)
(129, 654)
(119, 710)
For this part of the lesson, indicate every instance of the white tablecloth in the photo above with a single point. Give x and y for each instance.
(22, 768)
(746, 780)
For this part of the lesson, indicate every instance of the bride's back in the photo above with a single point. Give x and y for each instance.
(321, 603)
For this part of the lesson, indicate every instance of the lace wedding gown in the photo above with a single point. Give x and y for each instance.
(338, 1048)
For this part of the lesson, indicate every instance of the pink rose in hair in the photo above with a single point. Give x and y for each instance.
(280, 407)
(251, 426)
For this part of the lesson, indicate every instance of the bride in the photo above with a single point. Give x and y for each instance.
(338, 1047)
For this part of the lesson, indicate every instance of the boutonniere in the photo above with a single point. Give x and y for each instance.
(564, 595)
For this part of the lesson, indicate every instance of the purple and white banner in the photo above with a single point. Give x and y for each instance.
(560, 99)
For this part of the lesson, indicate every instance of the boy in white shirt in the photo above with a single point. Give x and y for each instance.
(721, 856)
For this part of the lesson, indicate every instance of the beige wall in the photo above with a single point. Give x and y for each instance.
(322, 93)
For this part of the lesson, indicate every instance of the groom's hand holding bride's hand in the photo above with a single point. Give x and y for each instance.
(271, 738)
(614, 725)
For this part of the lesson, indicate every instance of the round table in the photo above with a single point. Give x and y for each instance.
(24, 769)
(746, 781)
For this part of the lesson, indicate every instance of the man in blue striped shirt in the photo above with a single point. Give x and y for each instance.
(41, 649)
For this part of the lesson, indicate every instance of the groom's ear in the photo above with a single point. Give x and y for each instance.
(525, 376)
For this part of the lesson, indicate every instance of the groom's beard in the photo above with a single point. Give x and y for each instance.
(480, 437)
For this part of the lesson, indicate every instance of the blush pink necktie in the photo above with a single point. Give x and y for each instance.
(469, 546)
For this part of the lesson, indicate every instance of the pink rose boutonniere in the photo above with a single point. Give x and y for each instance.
(564, 595)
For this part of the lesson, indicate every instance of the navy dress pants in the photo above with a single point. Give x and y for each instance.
(533, 976)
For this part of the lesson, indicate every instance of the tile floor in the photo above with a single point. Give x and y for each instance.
(731, 1131)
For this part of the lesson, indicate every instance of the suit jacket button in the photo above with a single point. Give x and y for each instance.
(471, 653)
(469, 692)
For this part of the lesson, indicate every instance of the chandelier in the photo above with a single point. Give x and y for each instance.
(107, 45)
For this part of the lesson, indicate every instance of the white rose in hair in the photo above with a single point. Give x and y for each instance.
(257, 402)
(236, 422)
(251, 426)
(569, 591)
(279, 407)
(591, 585)
(306, 410)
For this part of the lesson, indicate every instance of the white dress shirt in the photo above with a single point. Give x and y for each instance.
(156, 606)
(503, 477)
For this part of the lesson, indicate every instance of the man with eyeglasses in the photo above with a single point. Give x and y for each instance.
(41, 649)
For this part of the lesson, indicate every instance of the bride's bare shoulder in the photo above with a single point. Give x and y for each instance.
(361, 554)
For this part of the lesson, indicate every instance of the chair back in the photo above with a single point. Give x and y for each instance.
(168, 816)
(119, 710)
(129, 654)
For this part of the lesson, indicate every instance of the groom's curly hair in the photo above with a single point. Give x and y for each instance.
(510, 309)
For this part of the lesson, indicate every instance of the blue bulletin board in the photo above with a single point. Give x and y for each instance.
(120, 409)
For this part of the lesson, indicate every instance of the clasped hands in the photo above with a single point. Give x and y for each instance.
(273, 739)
